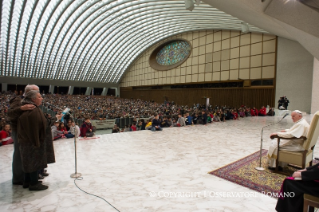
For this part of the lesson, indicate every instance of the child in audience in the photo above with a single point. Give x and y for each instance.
(133, 127)
(5, 135)
(74, 131)
(56, 134)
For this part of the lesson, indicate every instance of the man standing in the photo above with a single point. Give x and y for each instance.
(286, 102)
(299, 129)
(14, 112)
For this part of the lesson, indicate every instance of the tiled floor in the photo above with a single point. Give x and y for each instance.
(144, 171)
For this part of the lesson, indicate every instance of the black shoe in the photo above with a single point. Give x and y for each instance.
(271, 168)
(18, 183)
(44, 174)
(280, 168)
(38, 187)
(27, 185)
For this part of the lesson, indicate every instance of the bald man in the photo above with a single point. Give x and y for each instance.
(14, 112)
(299, 129)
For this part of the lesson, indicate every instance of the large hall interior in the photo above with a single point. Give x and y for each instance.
(169, 105)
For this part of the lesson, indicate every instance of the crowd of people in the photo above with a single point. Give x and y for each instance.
(170, 114)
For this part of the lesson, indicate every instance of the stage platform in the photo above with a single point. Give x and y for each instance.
(137, 171)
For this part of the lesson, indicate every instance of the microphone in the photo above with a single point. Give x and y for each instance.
(285, 115)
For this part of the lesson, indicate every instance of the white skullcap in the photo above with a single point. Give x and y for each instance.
(298, 111)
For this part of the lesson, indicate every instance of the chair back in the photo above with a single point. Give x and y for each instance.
(313, 132)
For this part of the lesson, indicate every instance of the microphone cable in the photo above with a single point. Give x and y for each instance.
(81, 178)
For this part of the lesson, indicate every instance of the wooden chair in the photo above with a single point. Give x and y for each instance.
(301, 158)
(310, 202)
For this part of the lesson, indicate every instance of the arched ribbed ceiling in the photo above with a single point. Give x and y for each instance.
(93, 40)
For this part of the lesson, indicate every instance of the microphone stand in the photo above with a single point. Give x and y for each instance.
(75, 174)
(260, 168)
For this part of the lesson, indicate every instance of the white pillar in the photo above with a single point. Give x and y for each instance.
(71, 89)
(104, 92)
(88, 91)
(4, 86)
(315, 86)
(118, 92)
(51, 89)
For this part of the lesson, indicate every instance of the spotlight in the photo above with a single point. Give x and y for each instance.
(189, 4)
(244, 27)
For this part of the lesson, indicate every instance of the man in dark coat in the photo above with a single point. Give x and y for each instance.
(308, 184)
(32, 127)
(14, 112)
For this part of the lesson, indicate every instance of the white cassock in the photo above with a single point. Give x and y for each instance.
(299, 129)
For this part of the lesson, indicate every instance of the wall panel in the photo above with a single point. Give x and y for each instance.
(253, 97)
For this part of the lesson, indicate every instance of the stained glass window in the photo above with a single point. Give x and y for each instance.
(173, 53)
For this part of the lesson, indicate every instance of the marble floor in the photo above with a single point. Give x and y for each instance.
(144, 171)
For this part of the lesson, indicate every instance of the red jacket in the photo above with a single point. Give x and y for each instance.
(263, 111)
(84, 128)
(254, 112)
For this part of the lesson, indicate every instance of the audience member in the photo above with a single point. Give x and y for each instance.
(115, 129)
(56, 134)
(156, 124)
(5, 135)
(87, 129)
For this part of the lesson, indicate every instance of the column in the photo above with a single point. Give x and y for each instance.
(51, 89)
(117, 91)
(315, 85)
(4, 86)
(104, 92)
(71, 89)
(88, 91)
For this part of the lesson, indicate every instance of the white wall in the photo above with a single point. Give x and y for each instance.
(315, 87)
(294, 74)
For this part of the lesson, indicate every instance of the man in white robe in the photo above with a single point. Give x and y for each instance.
(299, 129)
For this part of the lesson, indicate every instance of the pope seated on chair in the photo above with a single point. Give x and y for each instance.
(298, 130)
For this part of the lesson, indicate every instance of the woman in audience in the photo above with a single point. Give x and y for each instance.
(62, 129)
(5, 135)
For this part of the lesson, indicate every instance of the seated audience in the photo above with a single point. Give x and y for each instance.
(204, 118)
(5, 135)
(181, 121)
(87, 129)
(156, 125)
(271, 112)
(115, 129)
(262, 111)
(133, 127)
(56, 134)
(254, 112)
(74, 131)
(62, 129)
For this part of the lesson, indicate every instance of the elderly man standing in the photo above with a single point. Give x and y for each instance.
(299, 129)
(14, 112)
